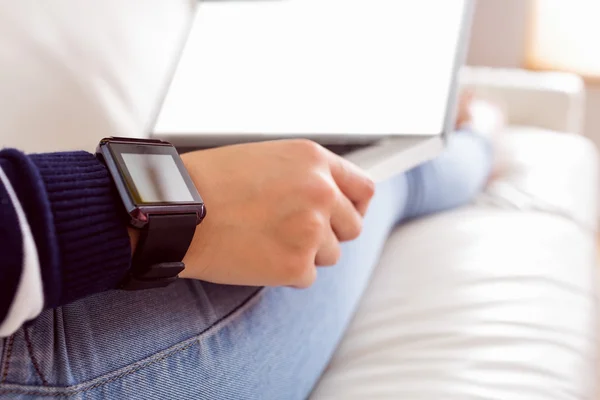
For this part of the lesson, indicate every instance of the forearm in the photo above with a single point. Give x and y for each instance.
(79, 242)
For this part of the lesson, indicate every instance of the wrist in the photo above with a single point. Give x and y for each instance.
(162, 203)
(197, 257)
(189, 272)
(134, 237)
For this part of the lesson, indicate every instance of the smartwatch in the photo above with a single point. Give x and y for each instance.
(160, 200)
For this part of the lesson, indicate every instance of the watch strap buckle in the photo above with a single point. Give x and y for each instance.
(156, 276)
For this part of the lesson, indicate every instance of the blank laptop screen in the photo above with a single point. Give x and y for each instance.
(316, 67)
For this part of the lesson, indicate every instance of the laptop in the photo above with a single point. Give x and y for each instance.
(375, 80)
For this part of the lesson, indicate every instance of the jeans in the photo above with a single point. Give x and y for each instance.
(196, 340)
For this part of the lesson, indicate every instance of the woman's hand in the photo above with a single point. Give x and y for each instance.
(276, 210)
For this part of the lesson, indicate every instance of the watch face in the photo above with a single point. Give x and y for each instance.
(154, 174)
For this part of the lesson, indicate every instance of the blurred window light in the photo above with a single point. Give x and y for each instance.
(565, 35)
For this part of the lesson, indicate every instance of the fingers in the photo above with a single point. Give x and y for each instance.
(306, 280)
(352, 181)
(346, 224)
(346, 221)
(329, 253)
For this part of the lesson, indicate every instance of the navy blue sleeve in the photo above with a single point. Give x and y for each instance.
(75, 217)
(11, 251)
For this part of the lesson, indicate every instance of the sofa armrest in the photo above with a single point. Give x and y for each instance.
(551, 100)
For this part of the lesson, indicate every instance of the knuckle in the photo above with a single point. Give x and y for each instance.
(313, 221)
(332, 257)
(313, 224)
(303, 232)
(355, 229)
(351, 231)
(308, 278)
(321, 190)
(309, 149)
(336, 254)
(301, 274)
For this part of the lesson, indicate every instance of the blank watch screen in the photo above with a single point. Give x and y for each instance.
(156, 178)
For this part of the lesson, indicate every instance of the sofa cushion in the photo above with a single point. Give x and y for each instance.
(75, 72)
(503, 308)
(546, 171)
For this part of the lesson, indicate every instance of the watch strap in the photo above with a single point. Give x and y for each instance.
(164, 239)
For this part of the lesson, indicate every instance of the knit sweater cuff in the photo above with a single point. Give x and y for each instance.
(91, 232)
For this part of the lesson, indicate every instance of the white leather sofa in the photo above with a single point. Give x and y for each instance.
(496, 300)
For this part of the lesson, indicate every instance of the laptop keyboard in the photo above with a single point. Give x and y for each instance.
(343, 149)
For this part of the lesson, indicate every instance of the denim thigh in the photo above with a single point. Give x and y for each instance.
(204, 341)
(196, 339)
